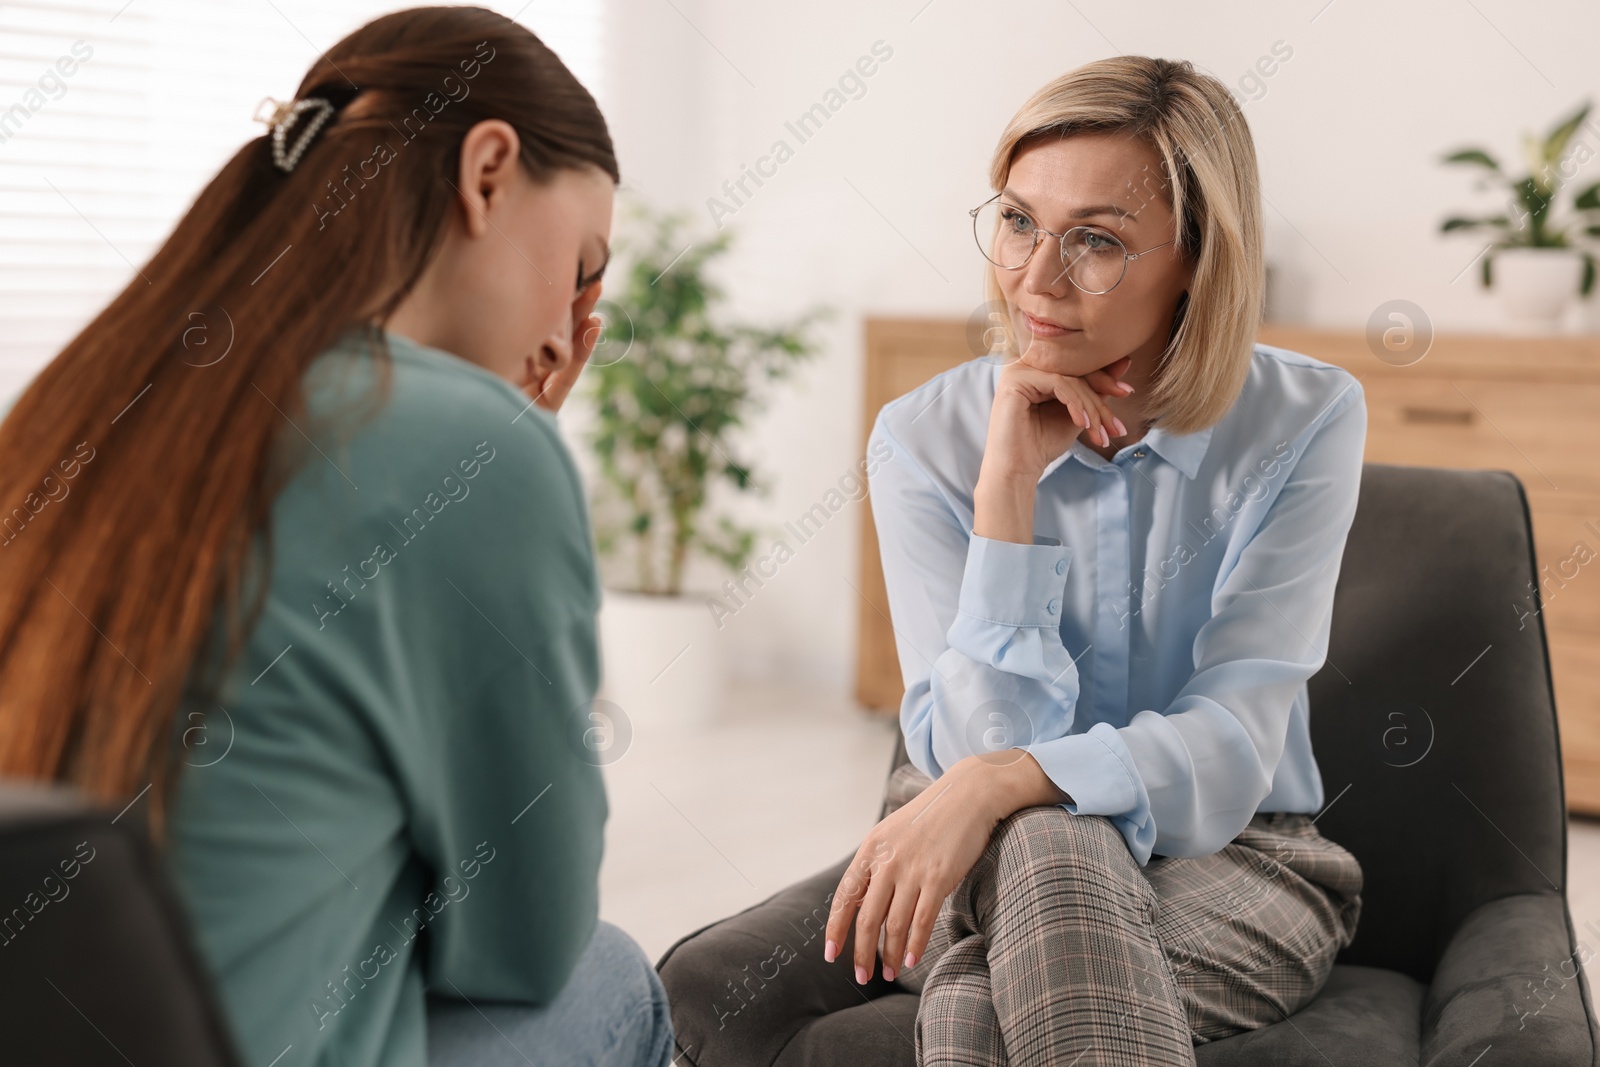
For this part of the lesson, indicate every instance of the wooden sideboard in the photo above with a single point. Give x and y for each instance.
(1529, 405)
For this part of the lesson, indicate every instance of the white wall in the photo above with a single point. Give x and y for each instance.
(869, 215)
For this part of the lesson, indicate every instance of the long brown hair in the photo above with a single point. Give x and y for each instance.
(138, 469)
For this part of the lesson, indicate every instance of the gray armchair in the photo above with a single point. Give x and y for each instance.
(1434, 725)
(98, 967)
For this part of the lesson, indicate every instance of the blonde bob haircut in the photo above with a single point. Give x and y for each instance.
(1194, 125)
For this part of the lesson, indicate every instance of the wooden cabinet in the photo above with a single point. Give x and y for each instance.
(901, 354)
(1529, 405)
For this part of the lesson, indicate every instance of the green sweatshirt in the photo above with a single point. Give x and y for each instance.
(393, 794)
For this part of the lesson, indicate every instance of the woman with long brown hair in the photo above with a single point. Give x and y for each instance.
(296, 567)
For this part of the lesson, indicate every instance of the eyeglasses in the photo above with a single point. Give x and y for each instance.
(1092, 259)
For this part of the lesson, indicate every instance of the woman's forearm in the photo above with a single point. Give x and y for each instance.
(1003, 508)
(1010, 780)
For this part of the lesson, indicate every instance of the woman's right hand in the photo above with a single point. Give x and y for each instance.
(1037, 414)
(552, 391)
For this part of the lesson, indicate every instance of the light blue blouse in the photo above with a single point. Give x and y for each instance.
(1151, 648)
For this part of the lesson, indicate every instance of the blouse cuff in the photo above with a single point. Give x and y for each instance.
(1097, 771)
(1014, 584)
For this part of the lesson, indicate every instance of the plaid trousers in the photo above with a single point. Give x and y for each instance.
(1058, 948)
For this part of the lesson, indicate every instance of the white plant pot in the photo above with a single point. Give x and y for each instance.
(661, 658)
(1536, 286)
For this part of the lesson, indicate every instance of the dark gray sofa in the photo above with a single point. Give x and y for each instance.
(1434, 726)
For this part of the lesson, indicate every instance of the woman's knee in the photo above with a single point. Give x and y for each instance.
(615, 969)
(612, 1012)
(1046, 835)
(1049, 855)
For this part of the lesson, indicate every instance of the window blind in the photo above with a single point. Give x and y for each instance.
(115, 113)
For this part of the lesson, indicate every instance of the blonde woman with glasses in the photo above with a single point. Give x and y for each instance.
(1110, 548)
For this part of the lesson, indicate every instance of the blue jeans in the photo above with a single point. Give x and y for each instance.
(611, 1013)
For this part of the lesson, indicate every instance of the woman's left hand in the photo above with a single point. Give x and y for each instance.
(909, 863)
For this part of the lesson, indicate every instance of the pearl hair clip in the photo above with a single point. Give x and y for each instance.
(284, 117)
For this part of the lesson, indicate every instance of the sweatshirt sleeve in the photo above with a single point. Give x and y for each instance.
(508, 802)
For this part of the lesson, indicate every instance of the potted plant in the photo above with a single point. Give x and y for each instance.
(1532, 259)
(668, 410)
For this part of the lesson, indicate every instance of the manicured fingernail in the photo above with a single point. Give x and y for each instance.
(829, 951)
(911, 960)
(888, 973)
(1125, 387)
(1122, 431)
(861, 975)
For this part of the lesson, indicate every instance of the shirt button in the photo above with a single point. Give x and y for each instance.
(1054, 606)
(1061, 566)
(1139, 454)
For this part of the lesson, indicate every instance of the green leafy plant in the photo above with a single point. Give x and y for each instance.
(669, 408)
(1532, 197)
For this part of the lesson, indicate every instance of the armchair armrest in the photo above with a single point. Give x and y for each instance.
(742, 987)
(1511, 977)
